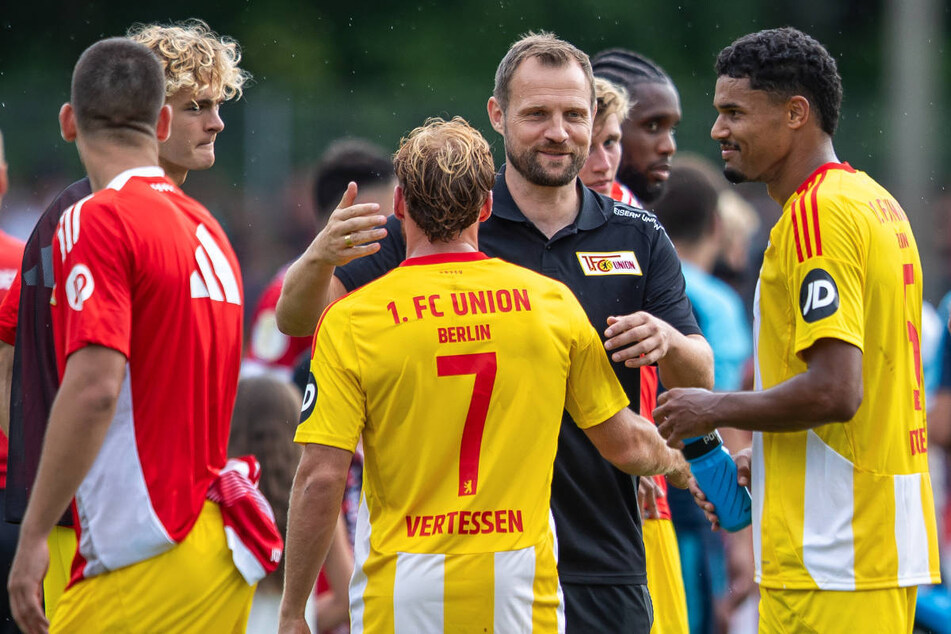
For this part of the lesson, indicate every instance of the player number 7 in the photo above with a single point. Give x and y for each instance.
(483, 365)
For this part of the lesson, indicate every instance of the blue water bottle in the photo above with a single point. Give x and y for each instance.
(715, 472)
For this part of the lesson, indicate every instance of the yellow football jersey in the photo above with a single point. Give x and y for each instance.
(456, 369)
(844, 506)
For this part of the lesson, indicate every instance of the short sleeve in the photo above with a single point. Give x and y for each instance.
(666, 292)
(594, 393)
(364, 270)
(92, 269)
(9, 311)
(334, 409)
(827, 290)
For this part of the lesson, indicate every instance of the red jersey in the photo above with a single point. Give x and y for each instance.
(11, 254)
(271, 350)
(145, 270)
(649, 379)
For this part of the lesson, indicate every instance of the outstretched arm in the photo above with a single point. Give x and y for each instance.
(631, 443)
(310, 285)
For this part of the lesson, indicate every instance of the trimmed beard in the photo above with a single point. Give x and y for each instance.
(734, 175)
(528, 165)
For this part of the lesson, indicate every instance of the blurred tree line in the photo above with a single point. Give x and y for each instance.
(377, 69)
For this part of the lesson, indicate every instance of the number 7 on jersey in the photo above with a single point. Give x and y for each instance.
(483, 366)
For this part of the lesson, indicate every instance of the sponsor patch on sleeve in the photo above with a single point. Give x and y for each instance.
(818, 296)
(609, 263)
(310, 398)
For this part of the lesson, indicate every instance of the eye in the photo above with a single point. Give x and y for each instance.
(609, 143)
(652, 126)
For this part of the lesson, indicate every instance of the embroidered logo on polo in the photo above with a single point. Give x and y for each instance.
(609, 263)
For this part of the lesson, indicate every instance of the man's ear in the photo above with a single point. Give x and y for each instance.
(67, 123)
(163, 128)
(399, 203)
(798, 111)
(496, 114)
(486, 209)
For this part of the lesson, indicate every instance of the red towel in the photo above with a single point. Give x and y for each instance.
(253, 538)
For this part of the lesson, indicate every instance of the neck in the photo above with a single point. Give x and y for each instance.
(548, 208)
(104, 160)
(798, 167)
(418, 245)
(175, 173)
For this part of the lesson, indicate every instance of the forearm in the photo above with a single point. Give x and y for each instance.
(79, 420)
(688, 362)
(650, 454)
(333, 606)
(6, 383)
(793, 405)
(312, 516)
(304, 295)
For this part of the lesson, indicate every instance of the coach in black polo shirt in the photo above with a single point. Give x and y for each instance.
(618, 261)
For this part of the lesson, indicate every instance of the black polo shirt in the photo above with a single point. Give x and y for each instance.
(35, 377)
(617, 260)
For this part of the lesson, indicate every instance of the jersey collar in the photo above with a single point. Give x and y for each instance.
(445, 258)
(152, 171)
(822, 170)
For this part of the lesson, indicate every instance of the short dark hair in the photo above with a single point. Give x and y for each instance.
(446, 171)
(118, 87)
(787, 62)
(628, 69)
(344, 161)
(688, 207)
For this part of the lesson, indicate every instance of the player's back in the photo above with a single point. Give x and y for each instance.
(147, 271)
(467, 365)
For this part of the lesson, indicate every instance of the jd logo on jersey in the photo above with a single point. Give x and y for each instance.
(609, 263)
(818, 296)
(310, 398)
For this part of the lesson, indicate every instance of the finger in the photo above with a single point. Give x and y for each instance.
(357, 238)
(361, 216)
(348, 196)
(617, 337)
(642, 360)
(618, 324)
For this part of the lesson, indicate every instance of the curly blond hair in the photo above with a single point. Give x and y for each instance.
(446, 171)
(612, 99)
(194, 57)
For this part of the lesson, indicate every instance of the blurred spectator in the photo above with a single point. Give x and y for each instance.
(690, 212)
(345, 161)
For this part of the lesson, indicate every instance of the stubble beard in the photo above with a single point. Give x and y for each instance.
(527, 164)
(643, 189)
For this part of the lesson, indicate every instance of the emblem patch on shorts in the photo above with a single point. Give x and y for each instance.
(609, 263)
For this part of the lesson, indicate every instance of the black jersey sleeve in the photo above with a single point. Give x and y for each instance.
(666, 293)
(364, 270)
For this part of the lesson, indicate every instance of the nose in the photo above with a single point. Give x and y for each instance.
(215, 122)
(598, 160)
(557, 130)
(718, 132)
(668, 145)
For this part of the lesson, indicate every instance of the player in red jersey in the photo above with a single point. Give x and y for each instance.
(201, 72)
(139, 429)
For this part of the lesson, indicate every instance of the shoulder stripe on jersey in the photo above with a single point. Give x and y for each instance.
(795, 230)
(814, 198)
(805, 226)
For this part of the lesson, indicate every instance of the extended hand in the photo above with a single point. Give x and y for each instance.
(25, 585)
(647, 492)
(349, 233)
(647, 336)
(685, 413)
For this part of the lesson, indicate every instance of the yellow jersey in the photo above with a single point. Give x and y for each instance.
(844, 506)
(456, 369)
